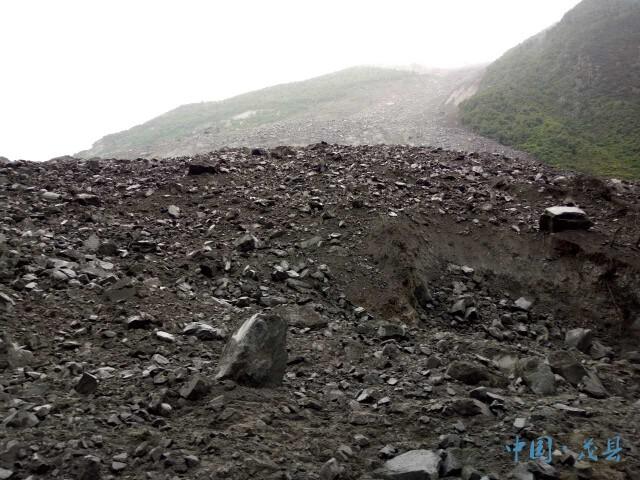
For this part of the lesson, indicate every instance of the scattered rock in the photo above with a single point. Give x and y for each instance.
(256, 354)
(196, 388)
(412, 465)
(537, 375)
(580, 338)
(557, 219)
(87, 384)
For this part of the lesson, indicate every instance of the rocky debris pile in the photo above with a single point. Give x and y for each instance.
(327, 312)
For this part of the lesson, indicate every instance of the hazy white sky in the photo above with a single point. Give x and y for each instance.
(72, 71)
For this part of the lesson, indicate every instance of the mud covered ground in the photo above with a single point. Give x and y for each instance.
(426, 311)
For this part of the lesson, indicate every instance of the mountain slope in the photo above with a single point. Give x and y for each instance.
(571, 94)
(362, 105)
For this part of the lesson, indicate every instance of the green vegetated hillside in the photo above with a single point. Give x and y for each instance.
(571, 94)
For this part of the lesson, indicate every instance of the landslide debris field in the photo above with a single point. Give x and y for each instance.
(428, 319)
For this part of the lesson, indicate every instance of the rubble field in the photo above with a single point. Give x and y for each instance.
(324, 312)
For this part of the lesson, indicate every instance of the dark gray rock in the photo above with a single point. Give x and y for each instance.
(204, 331)
(197, 387)
(537, 375)
(121, 291)
(302, 316)
(5, 473)
(452, 463)
(559, 218)
(565, 364)
(331, 470)
(256, 354)
(21, 419)
(87, 384)
(580, 338)
(391, 330)
(142, 320)
(412, 465)
(89, 468)
(246, 243)
(523, 304)
(472, 374)
(592, 386)
(468, 407)
(201, 169)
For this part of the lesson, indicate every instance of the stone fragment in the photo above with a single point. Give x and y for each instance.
(196, 388)
(256, 354)
(173, 211)
(331, 470)
(201, 169)
(592, 385)
(204, 331)
(165, 336)
(412, 465)
(12, 355)
(247, 243)
(565, 364)
(311, 243)
(87, 199)
(87, 384)
(452, 463)
(121, 291)
(21, 419)
(468, 407)
(557, 219)
(302, 316)
(469, 373)
(89, 468)
(142, 320)
(51, 196)
(537, 375)
(580, 338)
(523, 304)
(391, 330)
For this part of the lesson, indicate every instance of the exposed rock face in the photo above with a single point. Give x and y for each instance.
(256, 354)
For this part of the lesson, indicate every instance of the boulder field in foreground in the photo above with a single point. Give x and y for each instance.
(373, 310)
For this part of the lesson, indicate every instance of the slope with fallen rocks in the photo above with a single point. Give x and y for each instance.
(430, 320)
(360, 105)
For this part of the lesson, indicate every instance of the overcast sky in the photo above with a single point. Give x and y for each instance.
(72, 71)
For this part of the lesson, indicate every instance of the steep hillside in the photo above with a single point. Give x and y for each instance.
(362, 105)
(571, 94)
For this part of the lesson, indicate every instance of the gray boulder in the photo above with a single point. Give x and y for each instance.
(13, 356)
(592, 386)
(557, 219)
(256, 354)
(537, 375)
(247, 243)
(413, 465)
(580, 338)
(302, 316)
(565, 364)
